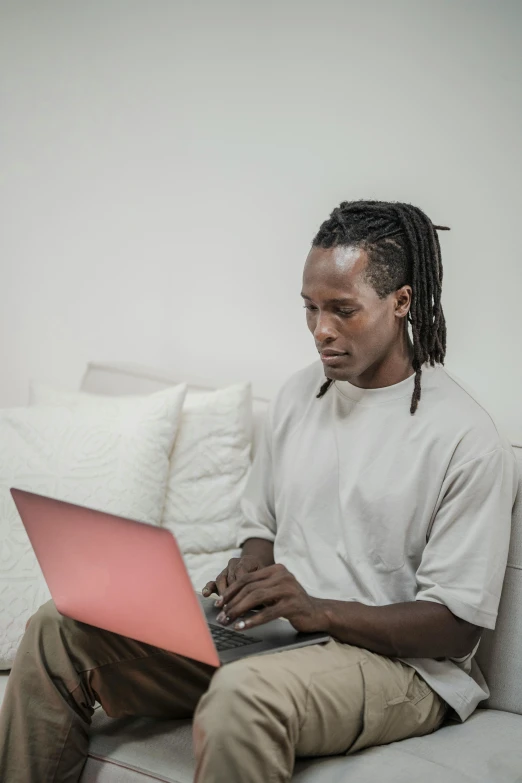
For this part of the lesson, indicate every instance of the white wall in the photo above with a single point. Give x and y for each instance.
(165, 165)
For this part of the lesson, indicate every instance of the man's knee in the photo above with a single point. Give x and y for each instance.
(48, 625)
(230, 683)
(47, 615)
(245, 719)
(236, 693)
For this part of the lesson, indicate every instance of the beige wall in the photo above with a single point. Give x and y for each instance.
(164, 166)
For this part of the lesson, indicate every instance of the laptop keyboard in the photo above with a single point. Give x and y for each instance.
(225, 639)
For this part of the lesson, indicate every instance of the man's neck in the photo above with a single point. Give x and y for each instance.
(394, 369)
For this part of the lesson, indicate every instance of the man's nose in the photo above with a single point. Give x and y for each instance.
(324, 328)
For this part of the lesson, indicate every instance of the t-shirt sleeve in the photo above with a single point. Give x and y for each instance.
(464, 561)
(257, 500)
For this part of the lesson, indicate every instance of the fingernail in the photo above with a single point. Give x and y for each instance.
(219, 601)
(222, 618)
(205, 591)
(240, 625)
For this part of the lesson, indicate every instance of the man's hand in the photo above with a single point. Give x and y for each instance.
(282, 596)
(237, 567)
(256, 553)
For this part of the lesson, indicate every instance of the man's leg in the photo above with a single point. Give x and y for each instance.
(61, 668)
(259, 712)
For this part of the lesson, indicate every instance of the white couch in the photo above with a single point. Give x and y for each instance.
(486, 748)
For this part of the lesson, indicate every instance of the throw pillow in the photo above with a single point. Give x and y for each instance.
(114, 458)
(208, 469)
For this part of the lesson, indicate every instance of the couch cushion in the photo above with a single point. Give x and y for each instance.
(3, 684)
(485, 748)
(500, 652)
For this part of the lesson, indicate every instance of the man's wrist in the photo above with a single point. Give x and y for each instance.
(260, 549)
(323, 614)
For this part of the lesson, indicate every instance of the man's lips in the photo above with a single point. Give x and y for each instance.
(332, 358)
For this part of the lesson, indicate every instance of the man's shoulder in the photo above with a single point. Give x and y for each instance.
(304, 380)
(298, 388)
(461, 413)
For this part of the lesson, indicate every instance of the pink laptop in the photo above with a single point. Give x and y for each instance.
(129, 577)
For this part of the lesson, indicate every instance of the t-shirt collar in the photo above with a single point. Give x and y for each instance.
(384, 393)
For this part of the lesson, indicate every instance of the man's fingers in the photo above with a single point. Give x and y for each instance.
(219, 586)
(222, 582)
(246, 579)
(264, 593)
(263, 616)
(236, 570)
(209, 588)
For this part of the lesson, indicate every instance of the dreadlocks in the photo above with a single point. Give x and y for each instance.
(403, 249)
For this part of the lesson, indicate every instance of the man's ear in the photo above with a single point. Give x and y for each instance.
(403, 301)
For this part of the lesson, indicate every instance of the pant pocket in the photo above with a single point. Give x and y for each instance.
(398, 704)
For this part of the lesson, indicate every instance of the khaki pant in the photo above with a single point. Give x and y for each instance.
(251, 717)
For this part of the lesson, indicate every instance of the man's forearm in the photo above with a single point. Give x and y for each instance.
(416, 629)
(259, 548)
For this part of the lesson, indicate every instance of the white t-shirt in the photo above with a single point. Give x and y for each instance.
(367, 503)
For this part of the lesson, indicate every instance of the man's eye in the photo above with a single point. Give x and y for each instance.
(345, 313)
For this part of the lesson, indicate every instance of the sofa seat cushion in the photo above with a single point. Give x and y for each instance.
(485, 748)
(4, 674)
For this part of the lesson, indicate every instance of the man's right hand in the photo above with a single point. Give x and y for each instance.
(237, 566)
(256, 554)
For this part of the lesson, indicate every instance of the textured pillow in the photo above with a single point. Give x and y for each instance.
(113, 457)
(208, 470)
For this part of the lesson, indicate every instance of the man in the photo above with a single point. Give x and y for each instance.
(378, 509)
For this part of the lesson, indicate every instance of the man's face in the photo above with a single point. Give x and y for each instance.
(362, 326)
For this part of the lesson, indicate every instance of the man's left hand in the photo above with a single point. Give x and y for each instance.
(281, 596)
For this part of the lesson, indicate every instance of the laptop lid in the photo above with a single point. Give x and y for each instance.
(118, 574)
